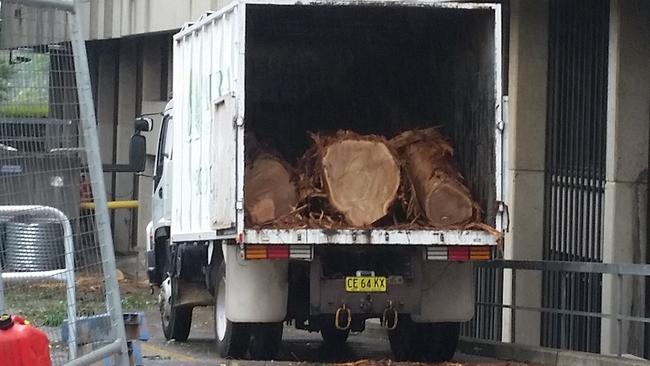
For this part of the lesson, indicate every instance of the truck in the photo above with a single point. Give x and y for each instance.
(282, 69)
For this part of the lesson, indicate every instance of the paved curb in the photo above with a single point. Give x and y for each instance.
(540, 355)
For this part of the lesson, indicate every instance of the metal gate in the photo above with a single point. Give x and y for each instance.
(575, 169)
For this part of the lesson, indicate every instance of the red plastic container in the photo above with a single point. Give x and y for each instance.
(21, 344)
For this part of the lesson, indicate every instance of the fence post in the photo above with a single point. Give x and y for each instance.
(513, 312)
(2, 294)
(91, 143)
(619, 313)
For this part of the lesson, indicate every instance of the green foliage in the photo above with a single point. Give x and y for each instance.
(45, 305)
(24, 85)
(24, 110)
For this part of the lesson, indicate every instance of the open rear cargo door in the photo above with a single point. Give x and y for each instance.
(207, 68)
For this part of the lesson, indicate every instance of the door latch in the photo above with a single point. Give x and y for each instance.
(504, 211)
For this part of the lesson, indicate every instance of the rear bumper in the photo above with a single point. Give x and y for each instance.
(369, 236)
(305, 252)
(432, 291)
(299, 244)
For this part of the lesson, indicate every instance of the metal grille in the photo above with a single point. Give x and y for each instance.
(575, 168)
(486, 323)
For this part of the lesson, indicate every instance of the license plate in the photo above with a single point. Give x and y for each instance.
(365, 284)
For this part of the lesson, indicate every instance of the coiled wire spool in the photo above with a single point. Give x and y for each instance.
(34, 245)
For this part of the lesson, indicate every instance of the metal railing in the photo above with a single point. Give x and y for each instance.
(619, 270)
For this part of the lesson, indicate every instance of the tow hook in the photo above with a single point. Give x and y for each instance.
(390, 317)
(337, 318)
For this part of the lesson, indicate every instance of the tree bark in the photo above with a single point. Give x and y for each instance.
(435, 181)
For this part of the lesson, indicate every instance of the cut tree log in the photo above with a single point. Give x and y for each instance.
(268, 189)
(360, 175)
(435, 181)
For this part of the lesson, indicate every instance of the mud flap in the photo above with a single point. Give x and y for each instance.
(256, 290)
(447, 292)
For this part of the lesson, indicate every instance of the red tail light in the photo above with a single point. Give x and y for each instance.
(277, 252)
(267, 251)
(457, 253)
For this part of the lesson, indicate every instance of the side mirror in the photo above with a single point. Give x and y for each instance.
(143, 124)
(137, 153)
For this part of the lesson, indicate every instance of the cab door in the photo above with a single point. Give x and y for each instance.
(161, 200)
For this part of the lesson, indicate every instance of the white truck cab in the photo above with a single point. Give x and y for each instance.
(159, 227)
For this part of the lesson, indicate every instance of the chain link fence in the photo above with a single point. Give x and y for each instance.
(57, 261)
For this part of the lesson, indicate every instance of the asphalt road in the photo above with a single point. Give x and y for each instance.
(297, 347)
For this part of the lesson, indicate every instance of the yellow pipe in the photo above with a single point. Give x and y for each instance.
(112, 205)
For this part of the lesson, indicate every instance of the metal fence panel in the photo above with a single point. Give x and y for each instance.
(57, 261)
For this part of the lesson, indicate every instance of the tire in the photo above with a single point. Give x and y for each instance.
(266, 339)
(232, 338)
(444, 341)
(176, 321)
(407, 341)
(332, 336)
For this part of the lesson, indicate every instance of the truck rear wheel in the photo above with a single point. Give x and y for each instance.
(443, 341)
(431, 342)
(232, 338)
(407, 340)
(266, 339)
(176, 320)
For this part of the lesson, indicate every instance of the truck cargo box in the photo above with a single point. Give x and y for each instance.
(283, 70)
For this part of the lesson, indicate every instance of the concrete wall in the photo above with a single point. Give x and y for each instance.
(107, 73)
(131, 76)
(628, 121)
(144, 213)
(22, 26)
(525, 132)
(119, 18)
(105, 19)
(126, 114)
